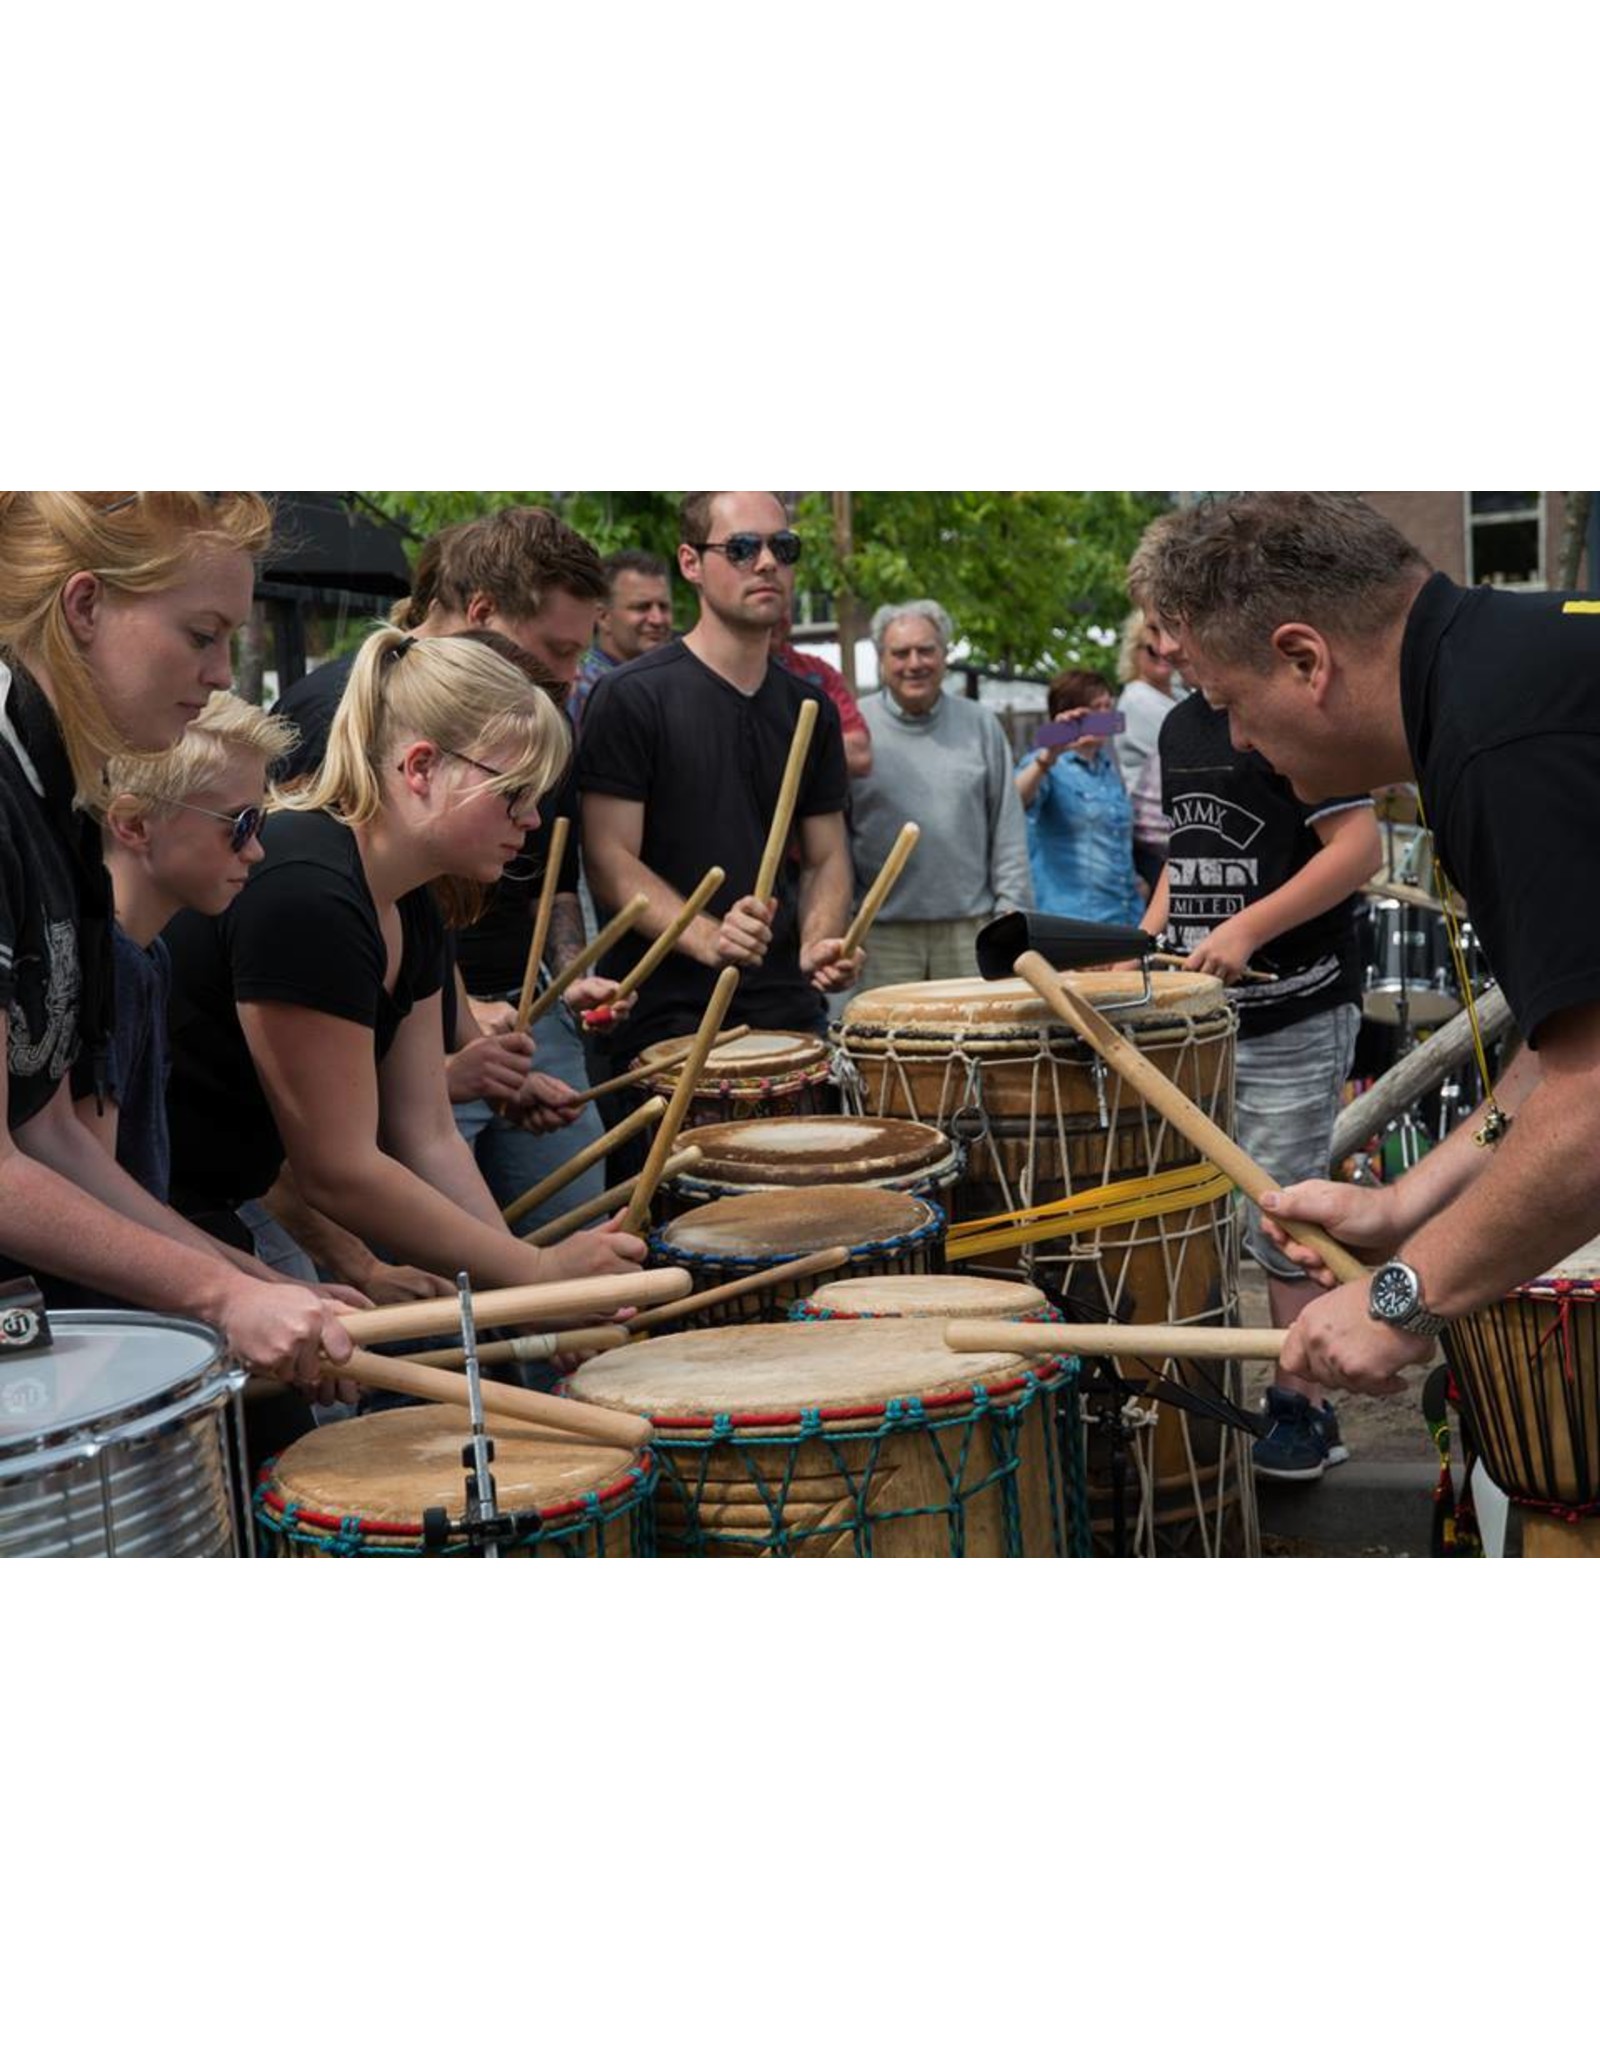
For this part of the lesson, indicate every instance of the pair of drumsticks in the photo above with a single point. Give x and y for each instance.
(669, 1118)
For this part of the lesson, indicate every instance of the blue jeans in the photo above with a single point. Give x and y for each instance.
(1286, 1095)
(513, 1160)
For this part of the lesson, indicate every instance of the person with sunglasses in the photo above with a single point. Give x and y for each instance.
(116, 614)
(1151, 689)
(680, 762)
(306, 1021)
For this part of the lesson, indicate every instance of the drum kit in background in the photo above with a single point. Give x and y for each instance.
(1411, 986)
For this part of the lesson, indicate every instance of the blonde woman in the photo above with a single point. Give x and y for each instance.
(116, 610)
(306, 1021)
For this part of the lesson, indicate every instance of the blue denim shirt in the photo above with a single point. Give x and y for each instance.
(1080, 841)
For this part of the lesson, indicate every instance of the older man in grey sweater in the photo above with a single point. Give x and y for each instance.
(943, 762)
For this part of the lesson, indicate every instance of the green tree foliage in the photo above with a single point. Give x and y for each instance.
(1025, 575)
(1032, 579)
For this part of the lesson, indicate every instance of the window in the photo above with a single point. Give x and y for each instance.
(1505, 538)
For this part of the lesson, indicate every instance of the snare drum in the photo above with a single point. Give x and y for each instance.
(816, 1152)
(124, 1439)
(765, 1073)
(864, 1439)
(366, 1488)
(724, 1240)
(1042, 1118)
(1407, 965)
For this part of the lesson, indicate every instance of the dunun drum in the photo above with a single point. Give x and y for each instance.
(363, 1488)
(1528, 1373)
(765, 1073)
(754, 1156)
(857, 1439)
(721, 1241)
(124, 1439)
(937, 1297)
(1041, 1119)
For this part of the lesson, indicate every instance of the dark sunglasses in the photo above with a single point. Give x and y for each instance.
(742, 549)
(242, 825)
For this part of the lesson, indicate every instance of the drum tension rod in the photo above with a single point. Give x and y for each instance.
(483, 1526)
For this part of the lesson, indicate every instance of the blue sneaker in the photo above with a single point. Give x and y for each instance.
(1302, 1441)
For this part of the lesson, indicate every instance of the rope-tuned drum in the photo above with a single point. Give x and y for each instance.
(1042, 1118)
(763, 1074)
(756, 1155)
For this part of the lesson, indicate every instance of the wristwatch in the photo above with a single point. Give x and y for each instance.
(1394, 1296)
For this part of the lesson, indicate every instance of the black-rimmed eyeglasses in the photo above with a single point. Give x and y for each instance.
(518, 797)
(742, 549)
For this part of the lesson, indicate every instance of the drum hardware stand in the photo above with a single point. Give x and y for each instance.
(484, 1527)
(1108, 1394)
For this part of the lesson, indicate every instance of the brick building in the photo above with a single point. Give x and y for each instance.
(1506, 537)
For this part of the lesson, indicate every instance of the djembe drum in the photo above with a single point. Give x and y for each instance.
(848, 1439)
(1042, 1119)
(763, 1074)
(756, 1155)
(1527, 1370)
(725, 1240)
(367, 1488)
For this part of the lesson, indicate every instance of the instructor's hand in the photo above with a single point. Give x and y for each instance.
(1337, 1343)
(1362, 1218)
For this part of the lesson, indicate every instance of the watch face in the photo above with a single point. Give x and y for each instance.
(1394, 1293)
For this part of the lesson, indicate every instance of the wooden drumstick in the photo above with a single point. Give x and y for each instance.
(646, 1114)
(612, 1199)
(1111, 1340)
(805, 1268)
(1177, 960)
(1175, 1106)
(647, 1069)
(647, 964)
(644, 1189)
(624, 921)
(516, 1404)
(788, 792)
(541, 922)
(887, 876)
(543, 1301)
(534, 1348)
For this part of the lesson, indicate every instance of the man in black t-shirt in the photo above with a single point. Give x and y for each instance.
(1334, 650)
(679, 766)
(1255, 878)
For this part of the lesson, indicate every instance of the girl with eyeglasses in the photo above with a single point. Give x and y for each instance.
(116, 613)
(306, 1021)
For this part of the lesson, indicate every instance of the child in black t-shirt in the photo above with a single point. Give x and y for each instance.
(306, 1021)
(1256, 878)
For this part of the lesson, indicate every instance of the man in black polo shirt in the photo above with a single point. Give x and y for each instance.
(679, 765)
(1341, 657)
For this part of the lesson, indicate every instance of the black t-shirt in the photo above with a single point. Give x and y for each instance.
(303, 930)
(1239, 833)
(138, 1065)
(706, 761)
(1500, 692)
(55, 907)
(493, 950)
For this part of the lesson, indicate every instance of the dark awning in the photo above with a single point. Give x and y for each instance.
(325, 538)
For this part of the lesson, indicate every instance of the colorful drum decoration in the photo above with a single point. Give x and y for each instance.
(757, 1155)
(371, 1487)
(765, 1073)
(741, 1234)
(850, 1439)
(1042, 1118)
(938, 1297)
(123, 1439)
(1527, 1371)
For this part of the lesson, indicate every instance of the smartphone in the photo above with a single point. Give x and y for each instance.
(1094, 725)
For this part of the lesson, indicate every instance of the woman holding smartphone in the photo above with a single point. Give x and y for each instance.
(1080, 822)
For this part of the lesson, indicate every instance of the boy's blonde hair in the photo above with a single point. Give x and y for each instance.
(228, 725)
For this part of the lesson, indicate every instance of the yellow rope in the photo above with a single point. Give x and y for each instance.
(1121, 1201)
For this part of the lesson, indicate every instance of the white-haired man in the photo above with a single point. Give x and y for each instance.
(942, 762)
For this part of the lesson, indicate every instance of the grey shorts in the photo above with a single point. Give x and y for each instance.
(1286, 1096)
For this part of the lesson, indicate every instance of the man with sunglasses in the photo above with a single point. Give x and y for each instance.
(679, 767)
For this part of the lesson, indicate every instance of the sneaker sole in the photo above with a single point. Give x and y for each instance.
(1278, 1472)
